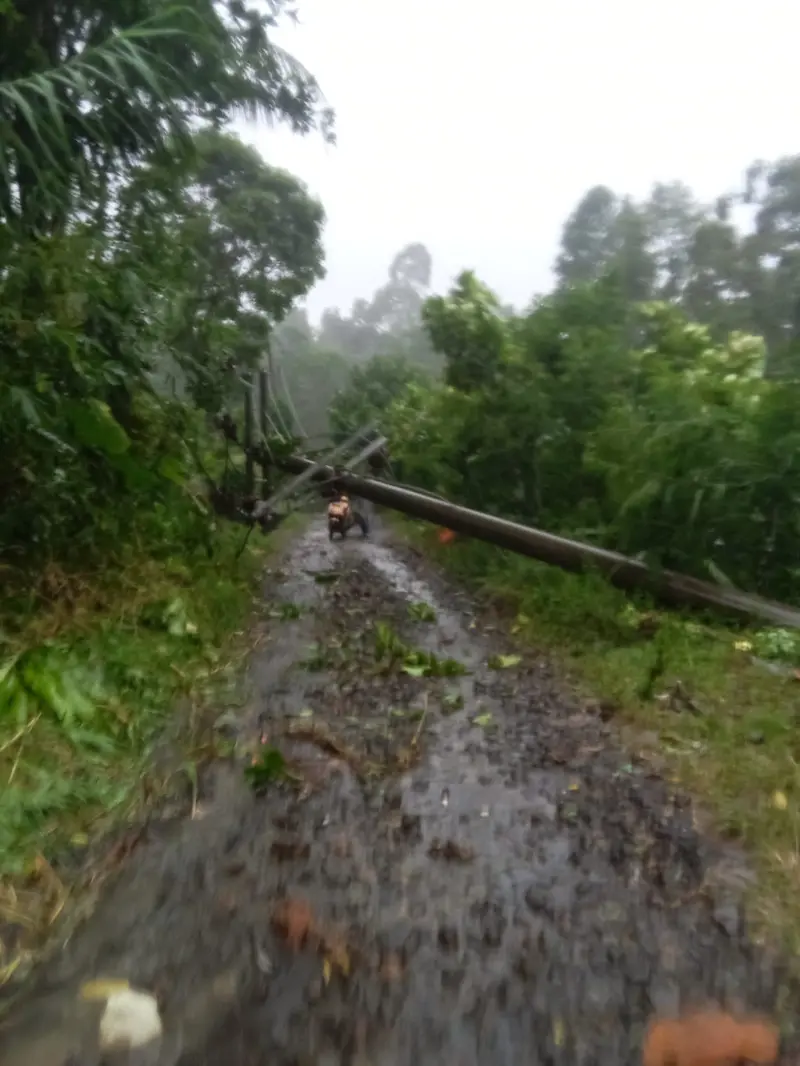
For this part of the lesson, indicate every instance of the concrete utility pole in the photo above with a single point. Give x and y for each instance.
(678, 590)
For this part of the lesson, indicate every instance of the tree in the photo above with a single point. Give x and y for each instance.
(467, 328)
(672, 216)
(715, 292)
(91, 88)
(632, 260)
(370, 391)
(588, 240)
(245, 240)
(96, 293)
(390, 323)
(310, 375)
(675, 448)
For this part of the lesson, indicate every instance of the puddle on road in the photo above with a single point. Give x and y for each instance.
(312, 554)
(458, 795)
(399, 577)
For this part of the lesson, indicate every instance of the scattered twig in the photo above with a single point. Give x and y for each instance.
(20, 733)
(423, 716)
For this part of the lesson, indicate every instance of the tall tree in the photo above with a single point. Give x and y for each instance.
(715, 292)
(245, 239)
(390, 323)
(672, 217)
(632, 259)
(588, 240)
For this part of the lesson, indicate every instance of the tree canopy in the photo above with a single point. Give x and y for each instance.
(146, 255)
(649, 403)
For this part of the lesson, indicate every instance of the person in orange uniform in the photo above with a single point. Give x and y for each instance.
(339, 507)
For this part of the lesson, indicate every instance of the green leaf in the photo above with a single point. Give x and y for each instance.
(94, 426)
(27, 405)
(171, 468)
(453, 701)
(415, 671)
(268, 766)
(422, 612)
(504, 662)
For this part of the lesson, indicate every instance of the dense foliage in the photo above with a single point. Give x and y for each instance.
(371, 390)
(145, 255)
(648, 404)
(357, 362)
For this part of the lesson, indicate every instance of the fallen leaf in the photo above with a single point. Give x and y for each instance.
(558, 1032)
(326, 970)
(102, 988)
(454, 701)
(482, 720)
(294, 919)
(503, 662)
(337, 956)
(779, 801)
(711, 1036)
(392, 968)
(267, 766)
(451, 850)
(415, 671)
(422, 612)
(325, 577)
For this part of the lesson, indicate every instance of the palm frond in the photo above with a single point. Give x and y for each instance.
(47, 117)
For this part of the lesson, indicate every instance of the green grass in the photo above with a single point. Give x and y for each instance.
(737, 751)
(94, 674)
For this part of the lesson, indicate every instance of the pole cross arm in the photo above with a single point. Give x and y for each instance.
(307, 473)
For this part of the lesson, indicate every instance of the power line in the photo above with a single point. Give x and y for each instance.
(290, 403)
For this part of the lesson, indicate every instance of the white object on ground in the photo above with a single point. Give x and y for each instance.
(130, 1020)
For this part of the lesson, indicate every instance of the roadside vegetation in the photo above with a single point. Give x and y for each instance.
(649, 404)
(713, 707)
(145, 255)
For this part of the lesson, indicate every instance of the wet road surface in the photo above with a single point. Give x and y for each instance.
(463, 869)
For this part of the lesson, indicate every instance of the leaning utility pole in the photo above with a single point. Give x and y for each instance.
(264, 383)
(249, 469)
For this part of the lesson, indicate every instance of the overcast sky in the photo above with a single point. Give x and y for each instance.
(475, 127)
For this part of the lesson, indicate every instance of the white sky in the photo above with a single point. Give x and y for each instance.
(476, 127)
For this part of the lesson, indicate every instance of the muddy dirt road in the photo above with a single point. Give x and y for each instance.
(462, 869)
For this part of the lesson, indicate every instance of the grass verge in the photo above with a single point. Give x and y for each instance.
(721, 704)
(92, 671)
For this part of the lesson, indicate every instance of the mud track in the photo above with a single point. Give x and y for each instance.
(425, 887)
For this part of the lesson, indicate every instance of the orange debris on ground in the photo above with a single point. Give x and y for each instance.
(446, 536)
(709, 1038)
(294, 920)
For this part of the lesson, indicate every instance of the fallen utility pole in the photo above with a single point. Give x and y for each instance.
(310, 471)
(675, 589)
